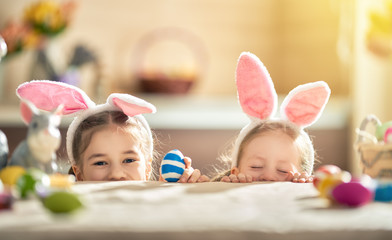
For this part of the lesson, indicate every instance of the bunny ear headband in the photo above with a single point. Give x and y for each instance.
(48, 95)
(258, 98)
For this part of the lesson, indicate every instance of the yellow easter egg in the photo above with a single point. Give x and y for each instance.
(327, 184)
(61, 180)
(10, 175)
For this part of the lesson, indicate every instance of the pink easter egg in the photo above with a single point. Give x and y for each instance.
(324, 172)
(353, 194)
(388, 135)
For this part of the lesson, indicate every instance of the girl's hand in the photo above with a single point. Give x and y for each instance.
(240, 178)
(192, 175)
(300, 177)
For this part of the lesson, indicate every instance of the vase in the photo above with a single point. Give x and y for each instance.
(49, 61)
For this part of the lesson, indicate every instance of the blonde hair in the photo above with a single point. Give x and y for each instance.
(88, 127)
(299, 136)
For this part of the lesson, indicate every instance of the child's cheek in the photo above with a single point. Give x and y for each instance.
(138, 171)
(94, 174)
(254, 173)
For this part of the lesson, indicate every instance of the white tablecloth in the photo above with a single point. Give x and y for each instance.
(154, 210)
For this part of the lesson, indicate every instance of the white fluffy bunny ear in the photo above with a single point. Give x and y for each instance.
(255, 88)
(305, 103)
(48, 95)
(130, 105)
(27, 110)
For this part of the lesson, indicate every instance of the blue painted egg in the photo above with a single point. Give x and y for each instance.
(173, 166)
(383, 192)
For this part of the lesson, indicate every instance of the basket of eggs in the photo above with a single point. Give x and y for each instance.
(375, 149)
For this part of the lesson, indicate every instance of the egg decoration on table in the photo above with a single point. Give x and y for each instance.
(62, 181)
(340, 187)
(6, 201)
(357, 192)
(62, 202)
(5, 198)
(173, 166)
(27, 182)
(10, 174)
(327, 177)
(323, 171)
(26, 185)
(383, 191)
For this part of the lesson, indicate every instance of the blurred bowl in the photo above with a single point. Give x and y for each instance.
(166, 86)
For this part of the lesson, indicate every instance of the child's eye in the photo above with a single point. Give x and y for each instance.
(129, 160)
(100, 163)
(256, 167)
(282, 171)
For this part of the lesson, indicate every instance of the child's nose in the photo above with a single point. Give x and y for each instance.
(268, 176)
(117, 173)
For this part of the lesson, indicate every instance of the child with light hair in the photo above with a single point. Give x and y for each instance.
(273, 148)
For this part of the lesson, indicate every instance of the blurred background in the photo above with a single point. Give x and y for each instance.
(181, 56)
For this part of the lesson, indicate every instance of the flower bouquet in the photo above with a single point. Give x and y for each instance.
(41, 21)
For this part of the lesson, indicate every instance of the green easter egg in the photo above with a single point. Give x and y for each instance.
(62, 202)
(381, 129)
(25, 185)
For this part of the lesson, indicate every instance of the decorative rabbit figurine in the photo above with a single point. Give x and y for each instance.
(43, 139)
(3, 150)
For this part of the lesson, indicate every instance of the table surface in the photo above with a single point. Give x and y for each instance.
(151, 210)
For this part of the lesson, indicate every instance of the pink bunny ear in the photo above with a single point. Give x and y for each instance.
(305, 103)
(130, 105)
(48, 95)
(255, 88)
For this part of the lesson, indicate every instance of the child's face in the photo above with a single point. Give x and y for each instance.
(113, 155)
(269, 157)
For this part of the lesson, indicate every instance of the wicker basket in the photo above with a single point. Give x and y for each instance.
(376, 159)
(375, 156)
(169, 86)
(157, 81)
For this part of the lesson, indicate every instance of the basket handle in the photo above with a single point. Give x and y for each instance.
(361, 132)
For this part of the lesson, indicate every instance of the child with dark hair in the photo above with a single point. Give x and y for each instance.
(106, 142)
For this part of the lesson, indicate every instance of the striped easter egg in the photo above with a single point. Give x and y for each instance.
(172, 166)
